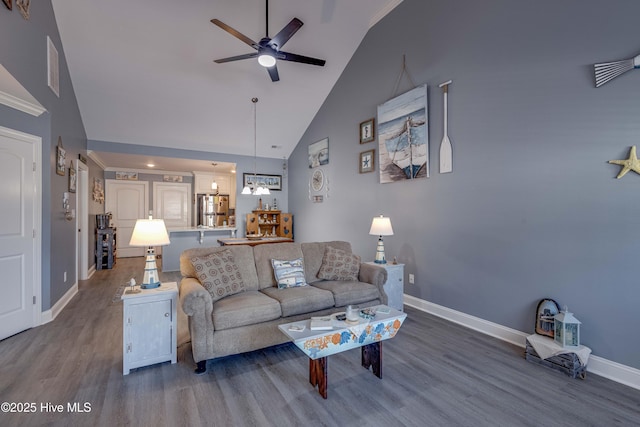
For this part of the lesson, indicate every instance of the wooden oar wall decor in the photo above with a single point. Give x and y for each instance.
(446, 156)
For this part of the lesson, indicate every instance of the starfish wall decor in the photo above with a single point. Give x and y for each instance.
(632, 163)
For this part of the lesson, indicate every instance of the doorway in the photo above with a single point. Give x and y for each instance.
(20, 230)
(127, 201)
(82, 220)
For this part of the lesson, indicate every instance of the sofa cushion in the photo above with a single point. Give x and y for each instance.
(303, 299)
(289, 274)
(242, 254)
(345, 293)
(313, 254)
(246, 308)
(263, 254)
(219, 274)
(339, 265)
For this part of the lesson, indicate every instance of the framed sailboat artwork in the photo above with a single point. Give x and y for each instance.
(403, 137)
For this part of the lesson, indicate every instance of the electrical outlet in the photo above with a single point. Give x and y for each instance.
(412, 279)
(65, 277)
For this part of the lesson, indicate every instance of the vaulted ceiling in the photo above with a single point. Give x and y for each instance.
(143, 71)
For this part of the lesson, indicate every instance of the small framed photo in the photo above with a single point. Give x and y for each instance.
(60, 160)
(72, 179)
(366, 161)
(127, 176)
(367, 130)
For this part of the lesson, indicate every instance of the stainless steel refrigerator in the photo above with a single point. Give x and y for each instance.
(213, 211)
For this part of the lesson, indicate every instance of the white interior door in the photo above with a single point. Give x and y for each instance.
(19, 231)
(127, 201)
(171, 203)
(82, 219)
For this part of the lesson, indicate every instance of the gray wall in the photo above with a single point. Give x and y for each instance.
(23, 52)
(532, 209)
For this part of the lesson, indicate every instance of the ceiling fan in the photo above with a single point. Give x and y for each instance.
(268, 50)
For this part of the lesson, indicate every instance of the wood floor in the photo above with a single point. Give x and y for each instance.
(435, 373)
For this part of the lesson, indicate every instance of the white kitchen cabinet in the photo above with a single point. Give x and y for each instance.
(149, 327)
(203, 183)
(394, 286)
(226, 184)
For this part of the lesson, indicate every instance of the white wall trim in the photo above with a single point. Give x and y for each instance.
(34, 109)
(598, 365)
(92, 270)
(93, 156)
(51, 314)
(14, 95)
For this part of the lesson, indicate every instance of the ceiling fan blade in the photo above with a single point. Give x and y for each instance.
(286, 56)
(236, 58)
(235, 33)
(273, 73)
(285, 34)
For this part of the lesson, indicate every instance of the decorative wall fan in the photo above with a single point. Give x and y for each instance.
(268, 50)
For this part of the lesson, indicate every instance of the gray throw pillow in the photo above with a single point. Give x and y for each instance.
(219, 274)
(339, 265)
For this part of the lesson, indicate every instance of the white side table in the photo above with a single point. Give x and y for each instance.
(394, 286)
(149, 327)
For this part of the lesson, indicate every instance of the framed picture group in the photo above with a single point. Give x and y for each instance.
(367, 134)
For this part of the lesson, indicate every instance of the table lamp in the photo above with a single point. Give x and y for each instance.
(381, 226)
(150, 232)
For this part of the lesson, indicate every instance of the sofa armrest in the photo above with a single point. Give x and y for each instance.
(376, 275)
(197, 304)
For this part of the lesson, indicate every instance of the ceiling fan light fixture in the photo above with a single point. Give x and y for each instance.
(266, 60)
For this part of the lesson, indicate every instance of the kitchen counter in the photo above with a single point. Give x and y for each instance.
(205, 229)
(183, 238)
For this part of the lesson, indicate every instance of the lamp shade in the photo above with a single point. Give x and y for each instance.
(149, 232)
(381, 226)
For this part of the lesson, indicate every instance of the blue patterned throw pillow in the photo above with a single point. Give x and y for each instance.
(289, 274)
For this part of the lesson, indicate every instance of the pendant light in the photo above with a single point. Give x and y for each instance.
(257, 190)
(214, 184)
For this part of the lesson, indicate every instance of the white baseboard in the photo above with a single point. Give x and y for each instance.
(51, 314)
(598, 365)
(91, 271)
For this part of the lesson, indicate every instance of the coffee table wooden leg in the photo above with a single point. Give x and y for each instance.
(372, 356)
(318, 375)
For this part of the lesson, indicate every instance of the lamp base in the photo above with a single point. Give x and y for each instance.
(150, 285)
(380, 259)
(150, 280)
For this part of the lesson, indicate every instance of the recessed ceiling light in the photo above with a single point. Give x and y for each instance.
(151, 165)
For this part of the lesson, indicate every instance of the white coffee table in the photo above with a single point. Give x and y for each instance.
(366, 334)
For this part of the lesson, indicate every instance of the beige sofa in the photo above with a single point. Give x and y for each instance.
(249, 320)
